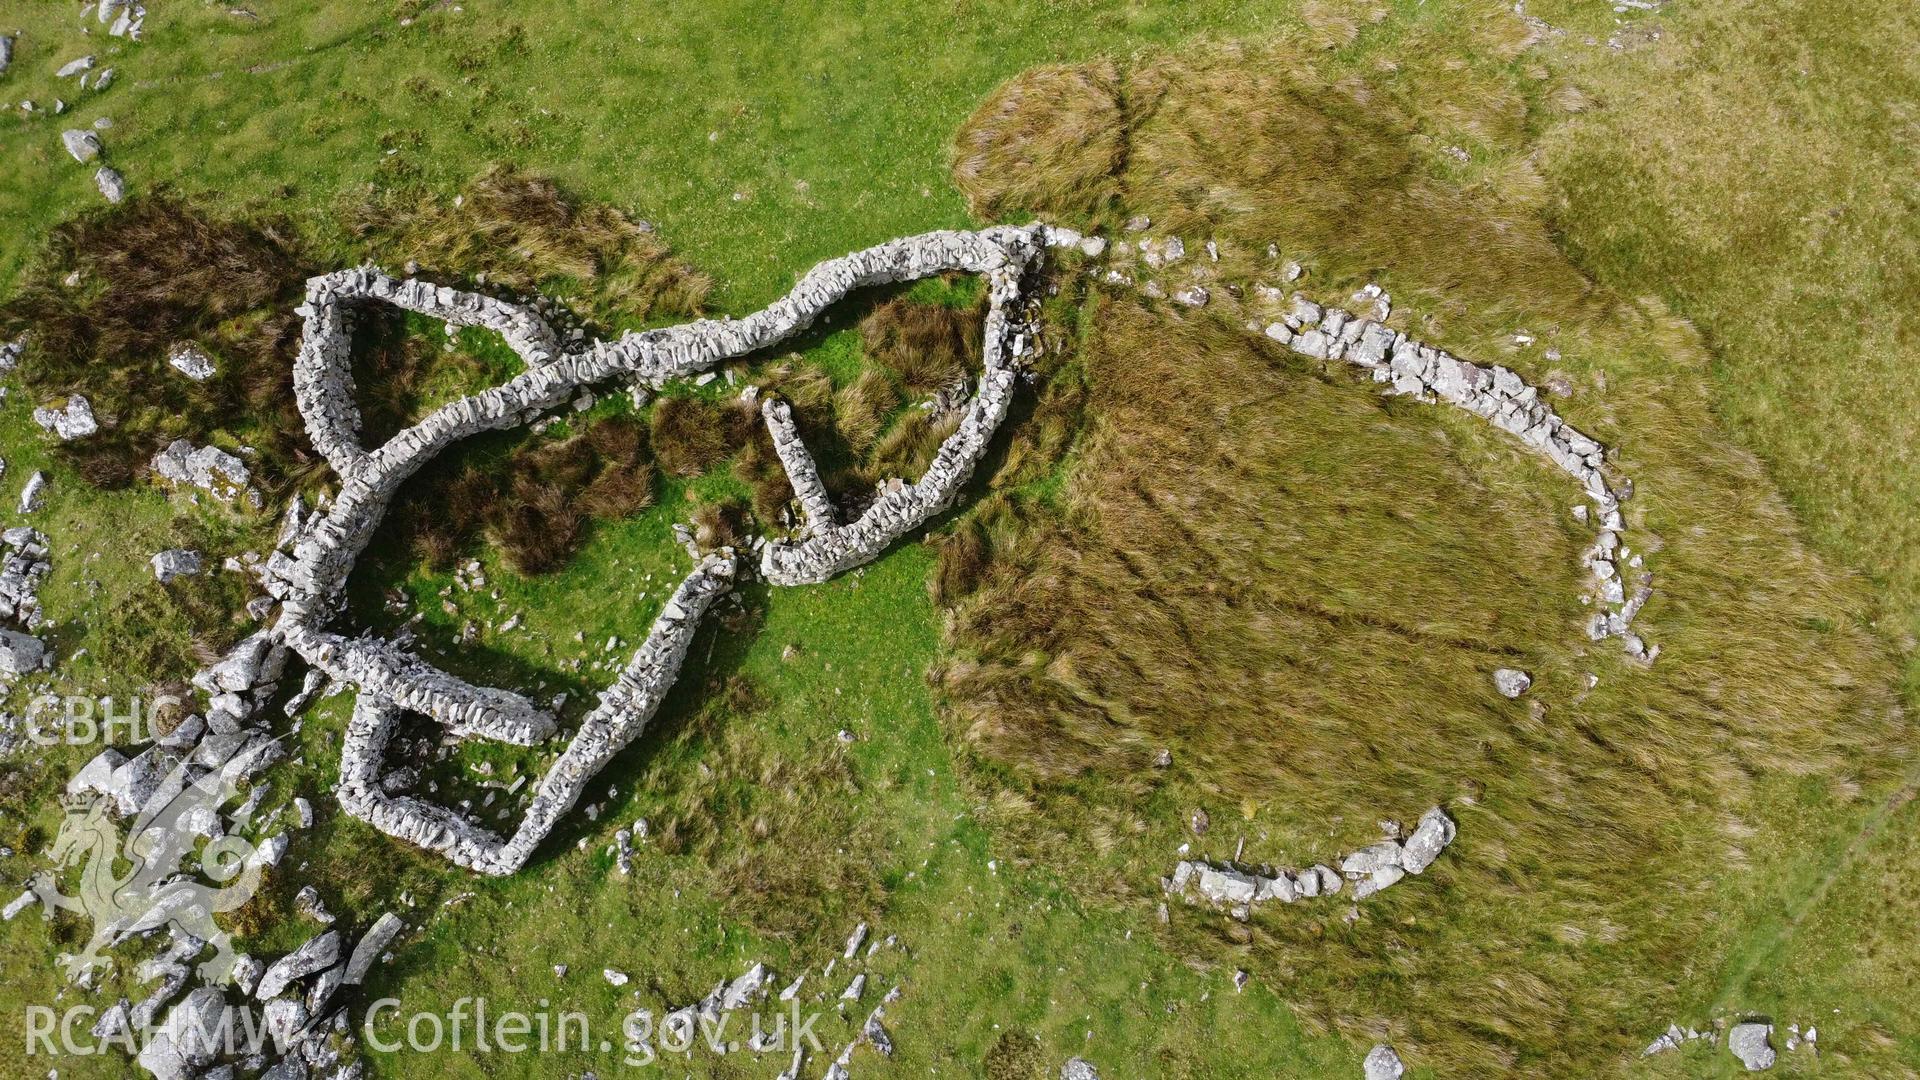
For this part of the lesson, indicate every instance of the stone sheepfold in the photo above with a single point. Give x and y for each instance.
(316, 552)
(309, 573)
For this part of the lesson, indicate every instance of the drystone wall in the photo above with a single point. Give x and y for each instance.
(1368, 871)
(622, 714)
(1502, 398)
(308, 574)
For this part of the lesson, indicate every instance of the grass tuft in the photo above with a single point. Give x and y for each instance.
(1049, 141)
(521, 231)
(930, 346)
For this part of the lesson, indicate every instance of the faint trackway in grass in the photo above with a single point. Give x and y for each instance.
(1776, 941)
(269, 67)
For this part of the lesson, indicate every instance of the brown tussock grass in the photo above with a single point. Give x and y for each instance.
(1051, 138)
(148, 274)
(928, 345)
(537, 508)
(523, 232)
(1300, 588)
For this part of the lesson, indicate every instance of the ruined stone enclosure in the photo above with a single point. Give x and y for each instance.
(317, 551)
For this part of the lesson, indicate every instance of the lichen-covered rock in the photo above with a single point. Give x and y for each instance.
(84, 145)
(190, 361)
(1511, 682)
(1434, 833)
(206, 467)
(1382, 1063)
(175, 562)
(73, 420)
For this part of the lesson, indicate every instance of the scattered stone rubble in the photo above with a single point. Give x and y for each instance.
(1368, 871)
(293, 997)
(22, 570)
(74, 420)
(1749, 1041)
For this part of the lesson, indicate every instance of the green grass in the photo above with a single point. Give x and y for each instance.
(1738, 778)
(1750, 186)
(830, 124)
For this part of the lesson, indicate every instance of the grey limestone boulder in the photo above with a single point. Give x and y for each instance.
(1382, 1064)
(1748, 1042)
(174, 563)
(84, 145)
(207, 467)
(190, 361)
(317, 954)
(371, 945)
(73, 420)
(20, 653)
(1511, 682)
(113, 187)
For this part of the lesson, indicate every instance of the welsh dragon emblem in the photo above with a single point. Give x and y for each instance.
(152, 891)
